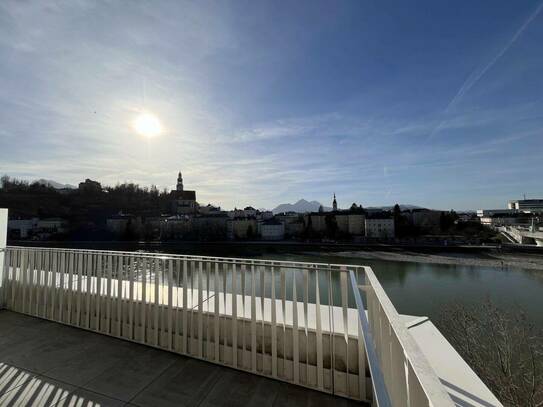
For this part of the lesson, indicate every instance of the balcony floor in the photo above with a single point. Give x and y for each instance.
(43, 363)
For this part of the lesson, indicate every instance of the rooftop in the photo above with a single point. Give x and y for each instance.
(45, 363)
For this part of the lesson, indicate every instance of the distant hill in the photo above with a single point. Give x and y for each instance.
(302, 206)
(54, 184)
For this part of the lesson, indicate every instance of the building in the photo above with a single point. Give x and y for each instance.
(272, 230)
(334, 203)
(504, 219)
(123, 224)
(466, 217)
(22, 228)
(209, 209)
(184, 201)
(294, 228)
(527, 205)
(209, 227)
(496, 221)
(265, 215)
(380, 227)
(357, 224)
(426, 219)
(36, 228)
(176, 227)
(342, 221)
(484, 213)
(249, 212)
(316, 221)
(350, 223)
(241, 228)
(293, 221)
(90, 186)
(52, 225)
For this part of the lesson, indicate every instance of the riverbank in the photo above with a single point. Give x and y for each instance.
(488, 259)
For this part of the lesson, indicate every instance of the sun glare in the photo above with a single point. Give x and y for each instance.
(147, 125)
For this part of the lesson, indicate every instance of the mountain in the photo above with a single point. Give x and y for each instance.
(54, 184)
(302, 206)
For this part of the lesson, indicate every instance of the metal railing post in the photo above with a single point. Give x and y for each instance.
(3, 239)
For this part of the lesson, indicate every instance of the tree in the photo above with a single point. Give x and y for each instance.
(503, 348)
(446, 220)
(331, 225)
(397, 211)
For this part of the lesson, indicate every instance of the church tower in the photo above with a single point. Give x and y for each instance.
(334, 203)
(180, 182)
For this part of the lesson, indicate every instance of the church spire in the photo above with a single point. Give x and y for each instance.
(179, 182)
(334, 203)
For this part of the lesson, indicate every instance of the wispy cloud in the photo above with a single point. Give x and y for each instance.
(478, 73)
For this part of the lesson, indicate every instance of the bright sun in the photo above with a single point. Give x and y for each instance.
(147, 125)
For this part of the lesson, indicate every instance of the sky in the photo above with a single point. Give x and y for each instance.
(431, 103)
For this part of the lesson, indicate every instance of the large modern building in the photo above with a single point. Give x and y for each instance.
(527, 205)
(485, 213)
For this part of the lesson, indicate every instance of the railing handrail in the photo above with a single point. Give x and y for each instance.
(380, 393)
(216, 259)
(426, 375)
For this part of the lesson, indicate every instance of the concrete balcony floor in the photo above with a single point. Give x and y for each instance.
(44, 363)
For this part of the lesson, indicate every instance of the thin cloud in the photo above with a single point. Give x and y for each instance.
(476, 75)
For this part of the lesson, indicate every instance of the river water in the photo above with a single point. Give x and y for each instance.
(428, 289)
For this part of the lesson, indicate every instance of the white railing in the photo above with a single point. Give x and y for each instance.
(401, 374)
(295, 322)
(303, 323)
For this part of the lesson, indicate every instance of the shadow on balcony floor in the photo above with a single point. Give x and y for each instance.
(43, 363)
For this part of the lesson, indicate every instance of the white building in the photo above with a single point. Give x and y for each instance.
(272, 230)
(381, 228)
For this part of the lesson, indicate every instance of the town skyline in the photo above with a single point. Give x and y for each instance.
(436, 105)
(311, 204)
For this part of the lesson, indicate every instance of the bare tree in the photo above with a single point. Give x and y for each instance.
(503, 348)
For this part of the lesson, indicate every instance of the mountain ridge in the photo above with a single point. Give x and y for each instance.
(54, 184)
(301, 206)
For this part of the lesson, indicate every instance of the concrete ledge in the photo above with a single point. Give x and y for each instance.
(463, 385)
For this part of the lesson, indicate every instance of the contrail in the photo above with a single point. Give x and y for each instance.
(475, 76)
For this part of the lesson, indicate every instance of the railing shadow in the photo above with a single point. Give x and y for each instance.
(477, 401)
(19, 387)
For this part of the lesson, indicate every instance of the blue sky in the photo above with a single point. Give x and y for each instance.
(433, 103)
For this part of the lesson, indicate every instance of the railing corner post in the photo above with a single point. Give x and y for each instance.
(3, 240)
